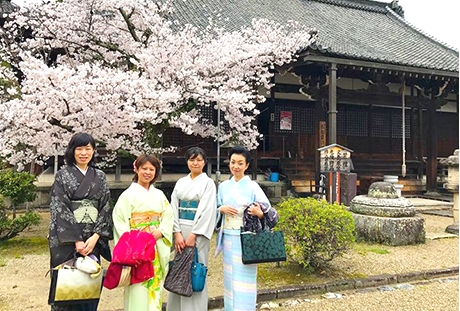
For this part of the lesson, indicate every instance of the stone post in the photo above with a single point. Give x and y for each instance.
(452, 186)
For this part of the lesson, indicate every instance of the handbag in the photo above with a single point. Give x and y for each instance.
(264, 246)
(70, 285)
(117, 275)
(178, 279)
(198, 272)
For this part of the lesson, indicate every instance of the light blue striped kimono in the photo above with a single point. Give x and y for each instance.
(240, 280)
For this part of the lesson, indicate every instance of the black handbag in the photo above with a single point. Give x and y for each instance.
(179, 279)
(70, 285)
(264, 246)
(198, 272)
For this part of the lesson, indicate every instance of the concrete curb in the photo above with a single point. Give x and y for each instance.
(341, 285)
(293, 291)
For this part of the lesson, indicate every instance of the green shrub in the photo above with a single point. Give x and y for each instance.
(315, 231)
(19, 188)
(11, 227)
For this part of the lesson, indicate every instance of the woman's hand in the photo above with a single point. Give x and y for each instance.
(90, 244)
(179, 243)
(79, 247)
(157, 234)
(228, 210)
(191, 240)
(256, 210)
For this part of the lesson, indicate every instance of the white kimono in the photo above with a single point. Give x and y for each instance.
(139, 209)
(201, 189)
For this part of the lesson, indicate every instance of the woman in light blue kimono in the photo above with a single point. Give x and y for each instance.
(145, 208)
(194, 203)
(234, 196)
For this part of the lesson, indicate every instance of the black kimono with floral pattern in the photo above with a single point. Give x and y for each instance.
(71, 184)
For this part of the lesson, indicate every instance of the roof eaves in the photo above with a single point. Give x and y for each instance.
(372, 6)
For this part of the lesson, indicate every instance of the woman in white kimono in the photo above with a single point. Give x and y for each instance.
(194, 204)
(234, 196)
(143, 207)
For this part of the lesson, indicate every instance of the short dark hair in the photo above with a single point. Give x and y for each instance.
(240, 150)
(141, 160)
(79, 140)
(193, 152)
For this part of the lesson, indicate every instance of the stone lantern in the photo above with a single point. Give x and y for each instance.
(452, 186)
(382, 216)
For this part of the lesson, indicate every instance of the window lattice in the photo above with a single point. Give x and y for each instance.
(396, 125)
(307, 121)
(357, 123)
(381, 124)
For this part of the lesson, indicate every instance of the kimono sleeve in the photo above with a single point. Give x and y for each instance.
(206, 220)
(63, 227)
(167, 222)
(219, 204)
(121, 215)
(104, 222)
(174, 206)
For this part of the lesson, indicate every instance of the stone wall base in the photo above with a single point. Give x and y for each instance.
(390, 231)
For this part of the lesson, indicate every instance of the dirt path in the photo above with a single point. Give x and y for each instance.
(24, 284)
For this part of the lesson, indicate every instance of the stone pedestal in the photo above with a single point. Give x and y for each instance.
(452, 186)
(382, 216)
(393, 179)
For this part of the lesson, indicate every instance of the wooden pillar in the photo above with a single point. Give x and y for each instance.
(332, 104)
(370, 148)
(320, 122)
(421, 142)
(118, 168)
(431, 148)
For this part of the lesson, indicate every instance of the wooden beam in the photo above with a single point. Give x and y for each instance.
(431, 149)
(384, 66)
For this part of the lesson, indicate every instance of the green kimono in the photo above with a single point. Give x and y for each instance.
(139, 209)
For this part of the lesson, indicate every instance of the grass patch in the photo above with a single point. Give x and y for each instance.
(365, 248)
(288, 273)
(19, 246)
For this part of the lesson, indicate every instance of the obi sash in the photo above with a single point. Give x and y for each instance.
(85, 211)
(145, 221)
(187, 209)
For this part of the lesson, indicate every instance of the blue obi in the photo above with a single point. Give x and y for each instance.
(187, 209)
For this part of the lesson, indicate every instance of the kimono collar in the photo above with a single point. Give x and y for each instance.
(242, 180)
(82, 171)
(136, 185)
(197, 177)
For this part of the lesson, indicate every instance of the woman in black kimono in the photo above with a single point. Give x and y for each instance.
(81, 218)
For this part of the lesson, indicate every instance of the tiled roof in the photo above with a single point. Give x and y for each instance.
(355, 29)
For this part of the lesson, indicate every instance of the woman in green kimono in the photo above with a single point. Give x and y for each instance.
(81, 217)
(143, 207)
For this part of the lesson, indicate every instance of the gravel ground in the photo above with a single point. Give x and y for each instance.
(24, 284)
(437, 295)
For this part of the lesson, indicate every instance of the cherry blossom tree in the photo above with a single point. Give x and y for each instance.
(124, 71)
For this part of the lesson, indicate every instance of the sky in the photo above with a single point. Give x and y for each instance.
(437, 18)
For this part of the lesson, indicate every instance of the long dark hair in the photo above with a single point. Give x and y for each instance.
(141, 160)
(79, 140)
